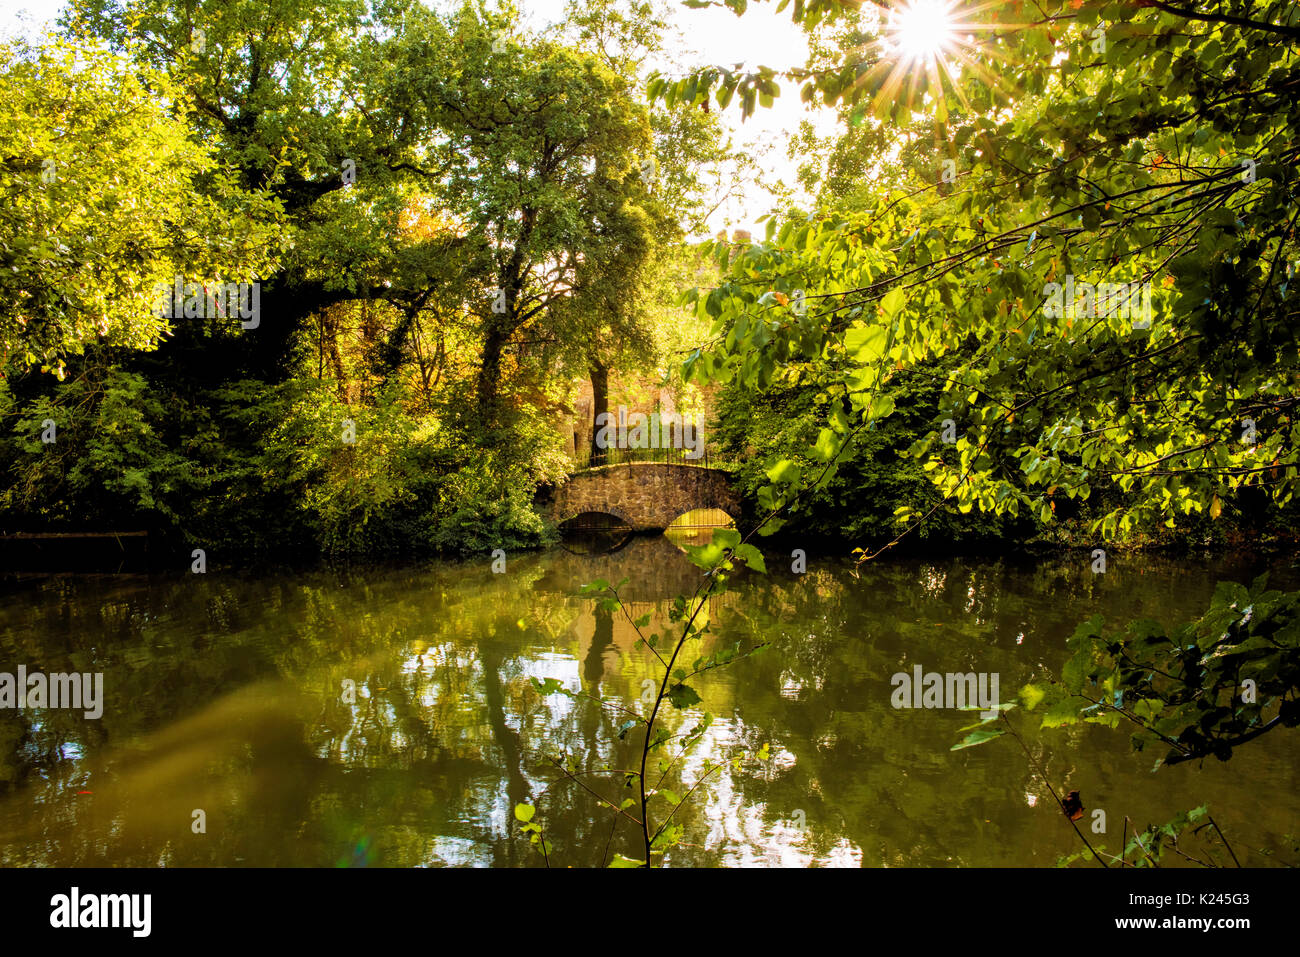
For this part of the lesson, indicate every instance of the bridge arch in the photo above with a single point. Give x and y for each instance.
(734, 519)
(648, 496)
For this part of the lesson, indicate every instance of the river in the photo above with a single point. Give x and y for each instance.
(386, 716)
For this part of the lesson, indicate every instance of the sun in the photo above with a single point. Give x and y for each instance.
(927, 51)
(923, 29)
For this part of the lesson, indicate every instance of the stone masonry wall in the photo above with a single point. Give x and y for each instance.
(646, 495)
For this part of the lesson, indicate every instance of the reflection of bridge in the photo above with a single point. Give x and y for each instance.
(656, 570)
(653, 570)
(646, 496)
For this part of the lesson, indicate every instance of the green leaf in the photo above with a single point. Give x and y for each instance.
(865, 343)
(683, 696)
(551, 686)
(977, 737)
(705, 556)
(668, 837)
(894, 301)
(1032, 696)
(524, 812)
(752, 557)
(827, 445)
(1062, 713)
(726, 537)
(784, 472)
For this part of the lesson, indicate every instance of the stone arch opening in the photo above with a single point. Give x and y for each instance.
(696, 525)
(703, 516)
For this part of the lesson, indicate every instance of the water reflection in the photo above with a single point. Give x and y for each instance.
(594, 533)
(231, 696)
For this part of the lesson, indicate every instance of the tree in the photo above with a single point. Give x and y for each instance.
(98, 205)
(541, 148)
(306, 110)
(1104, 242)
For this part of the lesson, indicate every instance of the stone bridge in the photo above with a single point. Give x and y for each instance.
(648, 496)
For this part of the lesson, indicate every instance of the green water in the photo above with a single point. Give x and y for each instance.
(226, 694)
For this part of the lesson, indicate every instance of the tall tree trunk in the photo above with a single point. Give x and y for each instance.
(501, 326)
(518, 790)
(489, 374)
(331, 315)
(599, 404)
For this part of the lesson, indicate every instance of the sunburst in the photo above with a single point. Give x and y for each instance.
(922, 30)
(924, 46)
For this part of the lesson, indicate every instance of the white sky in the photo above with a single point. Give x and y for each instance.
(759, 38)
(14, 16)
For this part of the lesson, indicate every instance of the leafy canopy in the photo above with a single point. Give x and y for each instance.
(1085, 144)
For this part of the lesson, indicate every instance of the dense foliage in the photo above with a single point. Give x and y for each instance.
(1084, 214)
(1107, 211)
(875, 479)
(449, 224)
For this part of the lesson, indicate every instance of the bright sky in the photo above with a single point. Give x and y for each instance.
(36, 12)
(759, 38)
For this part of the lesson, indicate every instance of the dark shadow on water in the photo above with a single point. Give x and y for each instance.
(595, 533)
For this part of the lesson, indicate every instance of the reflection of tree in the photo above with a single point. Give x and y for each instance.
(884, 778)
(654, 567)
(602, 639)
(492, 655)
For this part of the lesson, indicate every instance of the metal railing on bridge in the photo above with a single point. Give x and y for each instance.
(591, 458)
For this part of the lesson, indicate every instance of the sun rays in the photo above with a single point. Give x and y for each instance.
(924, 47)
(923, 29)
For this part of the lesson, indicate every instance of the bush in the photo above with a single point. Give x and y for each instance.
(270, 470)
(874, 478)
